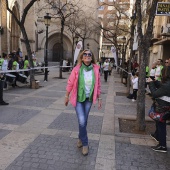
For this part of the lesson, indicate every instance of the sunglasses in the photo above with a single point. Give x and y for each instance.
(166, 62)
(87, 54)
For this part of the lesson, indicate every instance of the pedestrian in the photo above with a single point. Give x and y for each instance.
(2, 78)
(19, 53)
(135, 66)
(166, 62)
(152, 71)
(26, 65)
(68, 65)
(161, 96)
(15, 66)
(110, 67)
(4, 67)
(106, 69)
(134, 80)
(158, 72)
(84, 86)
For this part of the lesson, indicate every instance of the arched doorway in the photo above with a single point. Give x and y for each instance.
(54, 48)
(56, 52)
(15, 30)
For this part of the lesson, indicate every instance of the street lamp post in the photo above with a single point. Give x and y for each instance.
(47, 20)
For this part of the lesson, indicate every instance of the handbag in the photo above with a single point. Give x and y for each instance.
(166, 116)
(159, 113)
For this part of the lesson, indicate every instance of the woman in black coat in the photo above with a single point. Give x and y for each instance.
(161, 96)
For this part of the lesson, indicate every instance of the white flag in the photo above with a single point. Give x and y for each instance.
(113, 50)
(77, 50)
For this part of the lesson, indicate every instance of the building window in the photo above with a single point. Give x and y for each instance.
(101, 8)
(101, 0)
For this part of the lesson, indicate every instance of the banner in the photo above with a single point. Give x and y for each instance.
(163, 9)
(113, 50)
(77, 50)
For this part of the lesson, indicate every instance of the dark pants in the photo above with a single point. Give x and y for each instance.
(17, 75)
(160, 133)
(134, 94)
(1, 90)
(5, 84)
(26, 73)
(105, 75)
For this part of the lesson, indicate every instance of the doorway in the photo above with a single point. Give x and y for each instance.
(56, 52)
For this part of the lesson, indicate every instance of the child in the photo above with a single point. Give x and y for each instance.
(134, 80)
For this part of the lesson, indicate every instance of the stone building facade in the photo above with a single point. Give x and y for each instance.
(11, 38)
(160, 42)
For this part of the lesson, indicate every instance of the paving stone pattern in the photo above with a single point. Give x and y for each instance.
(16, 116)
(55, 153)
(52, 93)
(31, 101)
(66, 121)
(21, 90)
(4, 132)
(136, 157)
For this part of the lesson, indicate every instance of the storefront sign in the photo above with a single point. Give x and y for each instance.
(163, 8)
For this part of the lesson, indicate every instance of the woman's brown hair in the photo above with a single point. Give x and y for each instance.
(81, 57)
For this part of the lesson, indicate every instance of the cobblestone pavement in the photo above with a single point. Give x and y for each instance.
(37, 132)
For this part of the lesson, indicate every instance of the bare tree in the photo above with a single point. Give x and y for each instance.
(73, 25)
(144, 40)
(115, 25)
(21, 22)
(86, 29)
(62, 10)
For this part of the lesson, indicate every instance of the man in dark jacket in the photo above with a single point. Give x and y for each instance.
(161, 96)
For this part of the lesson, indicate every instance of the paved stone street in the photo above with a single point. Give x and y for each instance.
(37, 132)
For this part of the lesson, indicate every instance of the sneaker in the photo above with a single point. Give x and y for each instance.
(85, 150)
(4, 103)
(153, 137)
(133, 100)
(159, 148)
(79, 143)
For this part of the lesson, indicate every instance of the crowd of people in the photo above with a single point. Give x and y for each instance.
(158, 80)
(13, 61)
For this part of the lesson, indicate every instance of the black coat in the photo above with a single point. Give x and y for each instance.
(162, 90)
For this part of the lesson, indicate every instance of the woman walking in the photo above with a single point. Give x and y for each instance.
(84, 86)
(106, 69)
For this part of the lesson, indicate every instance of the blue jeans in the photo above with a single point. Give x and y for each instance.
(82, 111)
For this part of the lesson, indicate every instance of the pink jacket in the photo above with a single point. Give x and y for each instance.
(72, 84)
